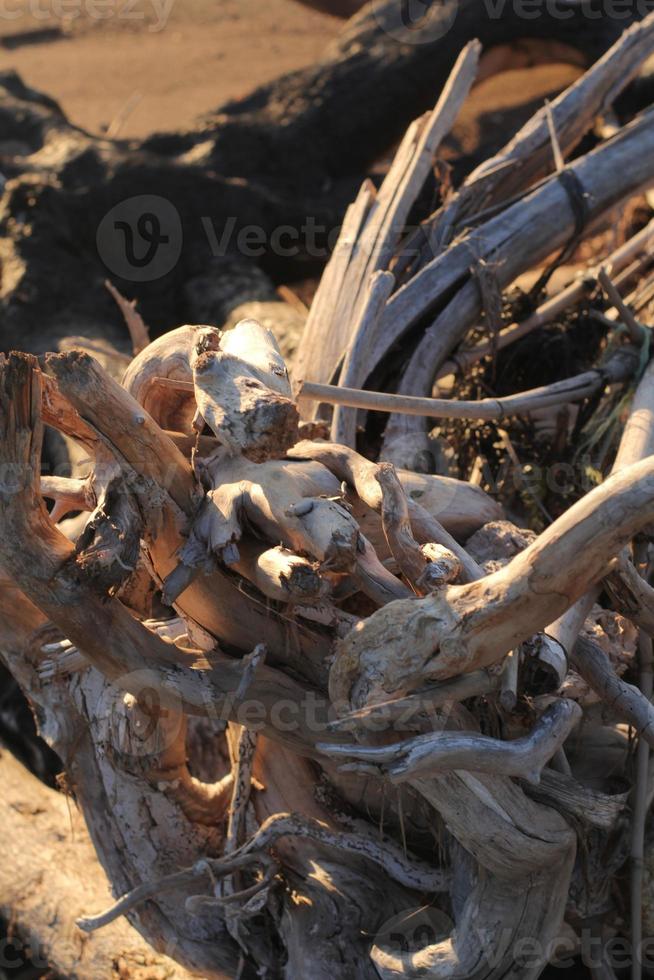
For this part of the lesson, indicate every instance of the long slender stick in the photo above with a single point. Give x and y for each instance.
(561, 392)
(635, 329)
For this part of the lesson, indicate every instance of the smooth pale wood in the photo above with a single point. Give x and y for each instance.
(320, 344)
(169, 356)
(290, 501)
(68, 494)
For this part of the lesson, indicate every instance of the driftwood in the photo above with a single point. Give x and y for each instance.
(343, 718)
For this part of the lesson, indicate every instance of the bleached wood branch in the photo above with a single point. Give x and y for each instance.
(426, 754)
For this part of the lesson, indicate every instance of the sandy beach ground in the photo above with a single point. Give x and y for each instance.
(151, 65)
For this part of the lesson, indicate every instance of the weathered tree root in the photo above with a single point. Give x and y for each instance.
(469, 626)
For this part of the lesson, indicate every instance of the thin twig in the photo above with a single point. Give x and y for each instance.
(634, 328)
(493, 409)
(139, 333)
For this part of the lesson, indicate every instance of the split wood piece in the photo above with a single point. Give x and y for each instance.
(622, 366)
(529, 156)
(437, 751)
(370, 236)
(168, 496)
(523, 235)
(508, 693)
(243, 393)
(626, 701)
(637, 332)
(435, 502)
(465, 627)
(410, 557)
(344, 422)
(636, 248)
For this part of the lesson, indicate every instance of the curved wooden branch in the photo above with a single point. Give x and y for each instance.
(636, 250)
(424, 755)
(625, 701)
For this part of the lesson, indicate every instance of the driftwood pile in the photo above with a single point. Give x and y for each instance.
(331, 717)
